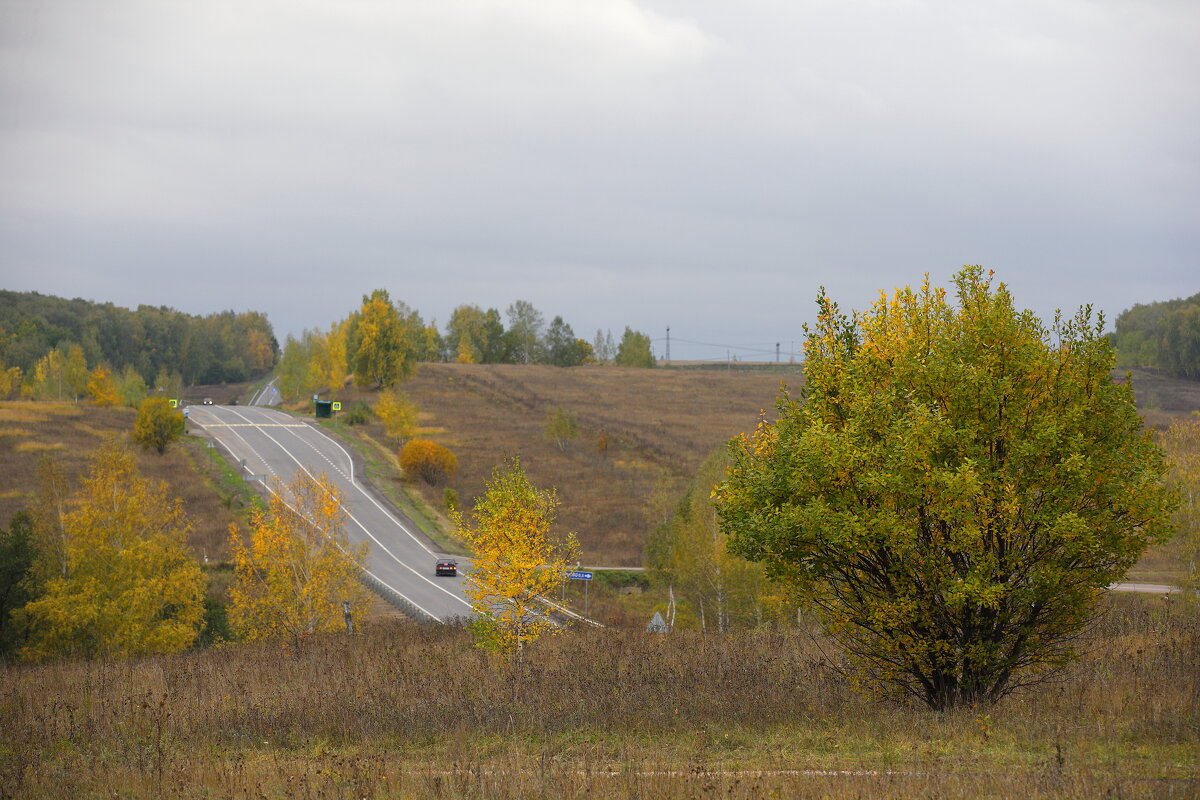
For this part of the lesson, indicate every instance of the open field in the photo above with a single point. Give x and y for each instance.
(71, 431)
(414, 712)
(659, 424)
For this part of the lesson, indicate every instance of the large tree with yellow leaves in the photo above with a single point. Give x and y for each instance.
(124, 583)
(954, 488)
(516, 559)
(295, 569)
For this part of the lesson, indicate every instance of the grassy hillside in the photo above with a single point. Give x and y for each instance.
(212, 496)
(660, 424)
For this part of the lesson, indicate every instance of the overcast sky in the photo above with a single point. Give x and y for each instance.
(705, 164)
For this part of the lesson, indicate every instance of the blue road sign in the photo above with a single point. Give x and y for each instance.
(579, 576)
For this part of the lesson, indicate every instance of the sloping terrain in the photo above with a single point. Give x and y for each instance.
(660, 424)
(70, 432)
(638, 430)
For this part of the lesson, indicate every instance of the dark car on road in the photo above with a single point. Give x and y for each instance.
(447, 566)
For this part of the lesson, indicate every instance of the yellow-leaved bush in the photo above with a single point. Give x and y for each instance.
(295, 568)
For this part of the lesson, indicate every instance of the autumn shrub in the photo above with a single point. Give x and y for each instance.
(157, 424)
(431, 462)
(359, 414)
(397, 413)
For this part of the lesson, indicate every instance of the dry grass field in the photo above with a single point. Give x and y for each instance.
(71, 431)
(405, 711)
(659, 426)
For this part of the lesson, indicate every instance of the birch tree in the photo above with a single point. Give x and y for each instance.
(516, 558)
(126, 584)
(295, 567)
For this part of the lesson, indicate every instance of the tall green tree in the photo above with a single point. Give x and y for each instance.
(954, 489)
(467, 334)
(1164, 335)
(634, 350)
(562, 347)
(524, 332)
(295, 376)
(17, 580)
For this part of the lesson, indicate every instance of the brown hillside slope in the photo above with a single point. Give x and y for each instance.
(660, 424)
(70, 432)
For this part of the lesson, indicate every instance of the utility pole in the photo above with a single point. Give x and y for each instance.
(777, 352)
(668, 344)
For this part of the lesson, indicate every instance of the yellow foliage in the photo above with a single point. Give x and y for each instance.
(327, 358)
(259, 355)
(38, 447)
(465, 354)
(429, 461)
(958, 486)
(157, 424)
(397, 413)
(516, 558)
(295, 568)
(127, 584)
(10, 381)
(101, 388)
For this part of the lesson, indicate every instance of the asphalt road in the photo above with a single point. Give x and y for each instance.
(271, 446)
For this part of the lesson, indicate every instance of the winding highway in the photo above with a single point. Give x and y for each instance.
(271, 446)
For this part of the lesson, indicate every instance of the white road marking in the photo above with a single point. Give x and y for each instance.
(355, 520)
(364, 569)
(257, 425)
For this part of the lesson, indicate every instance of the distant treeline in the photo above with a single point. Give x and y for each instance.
(1164, 335)
(218, 348)
(379, 344)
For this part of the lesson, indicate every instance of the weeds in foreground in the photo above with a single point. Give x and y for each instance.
(410, 711)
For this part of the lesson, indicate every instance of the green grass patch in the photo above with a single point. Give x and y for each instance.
(236, 494)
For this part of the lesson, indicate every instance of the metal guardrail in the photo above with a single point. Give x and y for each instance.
(395, 598)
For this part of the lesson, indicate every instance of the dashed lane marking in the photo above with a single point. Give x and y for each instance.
(253, 425)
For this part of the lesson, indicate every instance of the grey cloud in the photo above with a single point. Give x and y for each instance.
(700, 164)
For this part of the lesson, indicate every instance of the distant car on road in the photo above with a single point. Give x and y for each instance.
(447, 567)
(208, 401)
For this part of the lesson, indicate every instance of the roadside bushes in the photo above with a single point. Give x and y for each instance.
(429, 461)
(359, 414)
